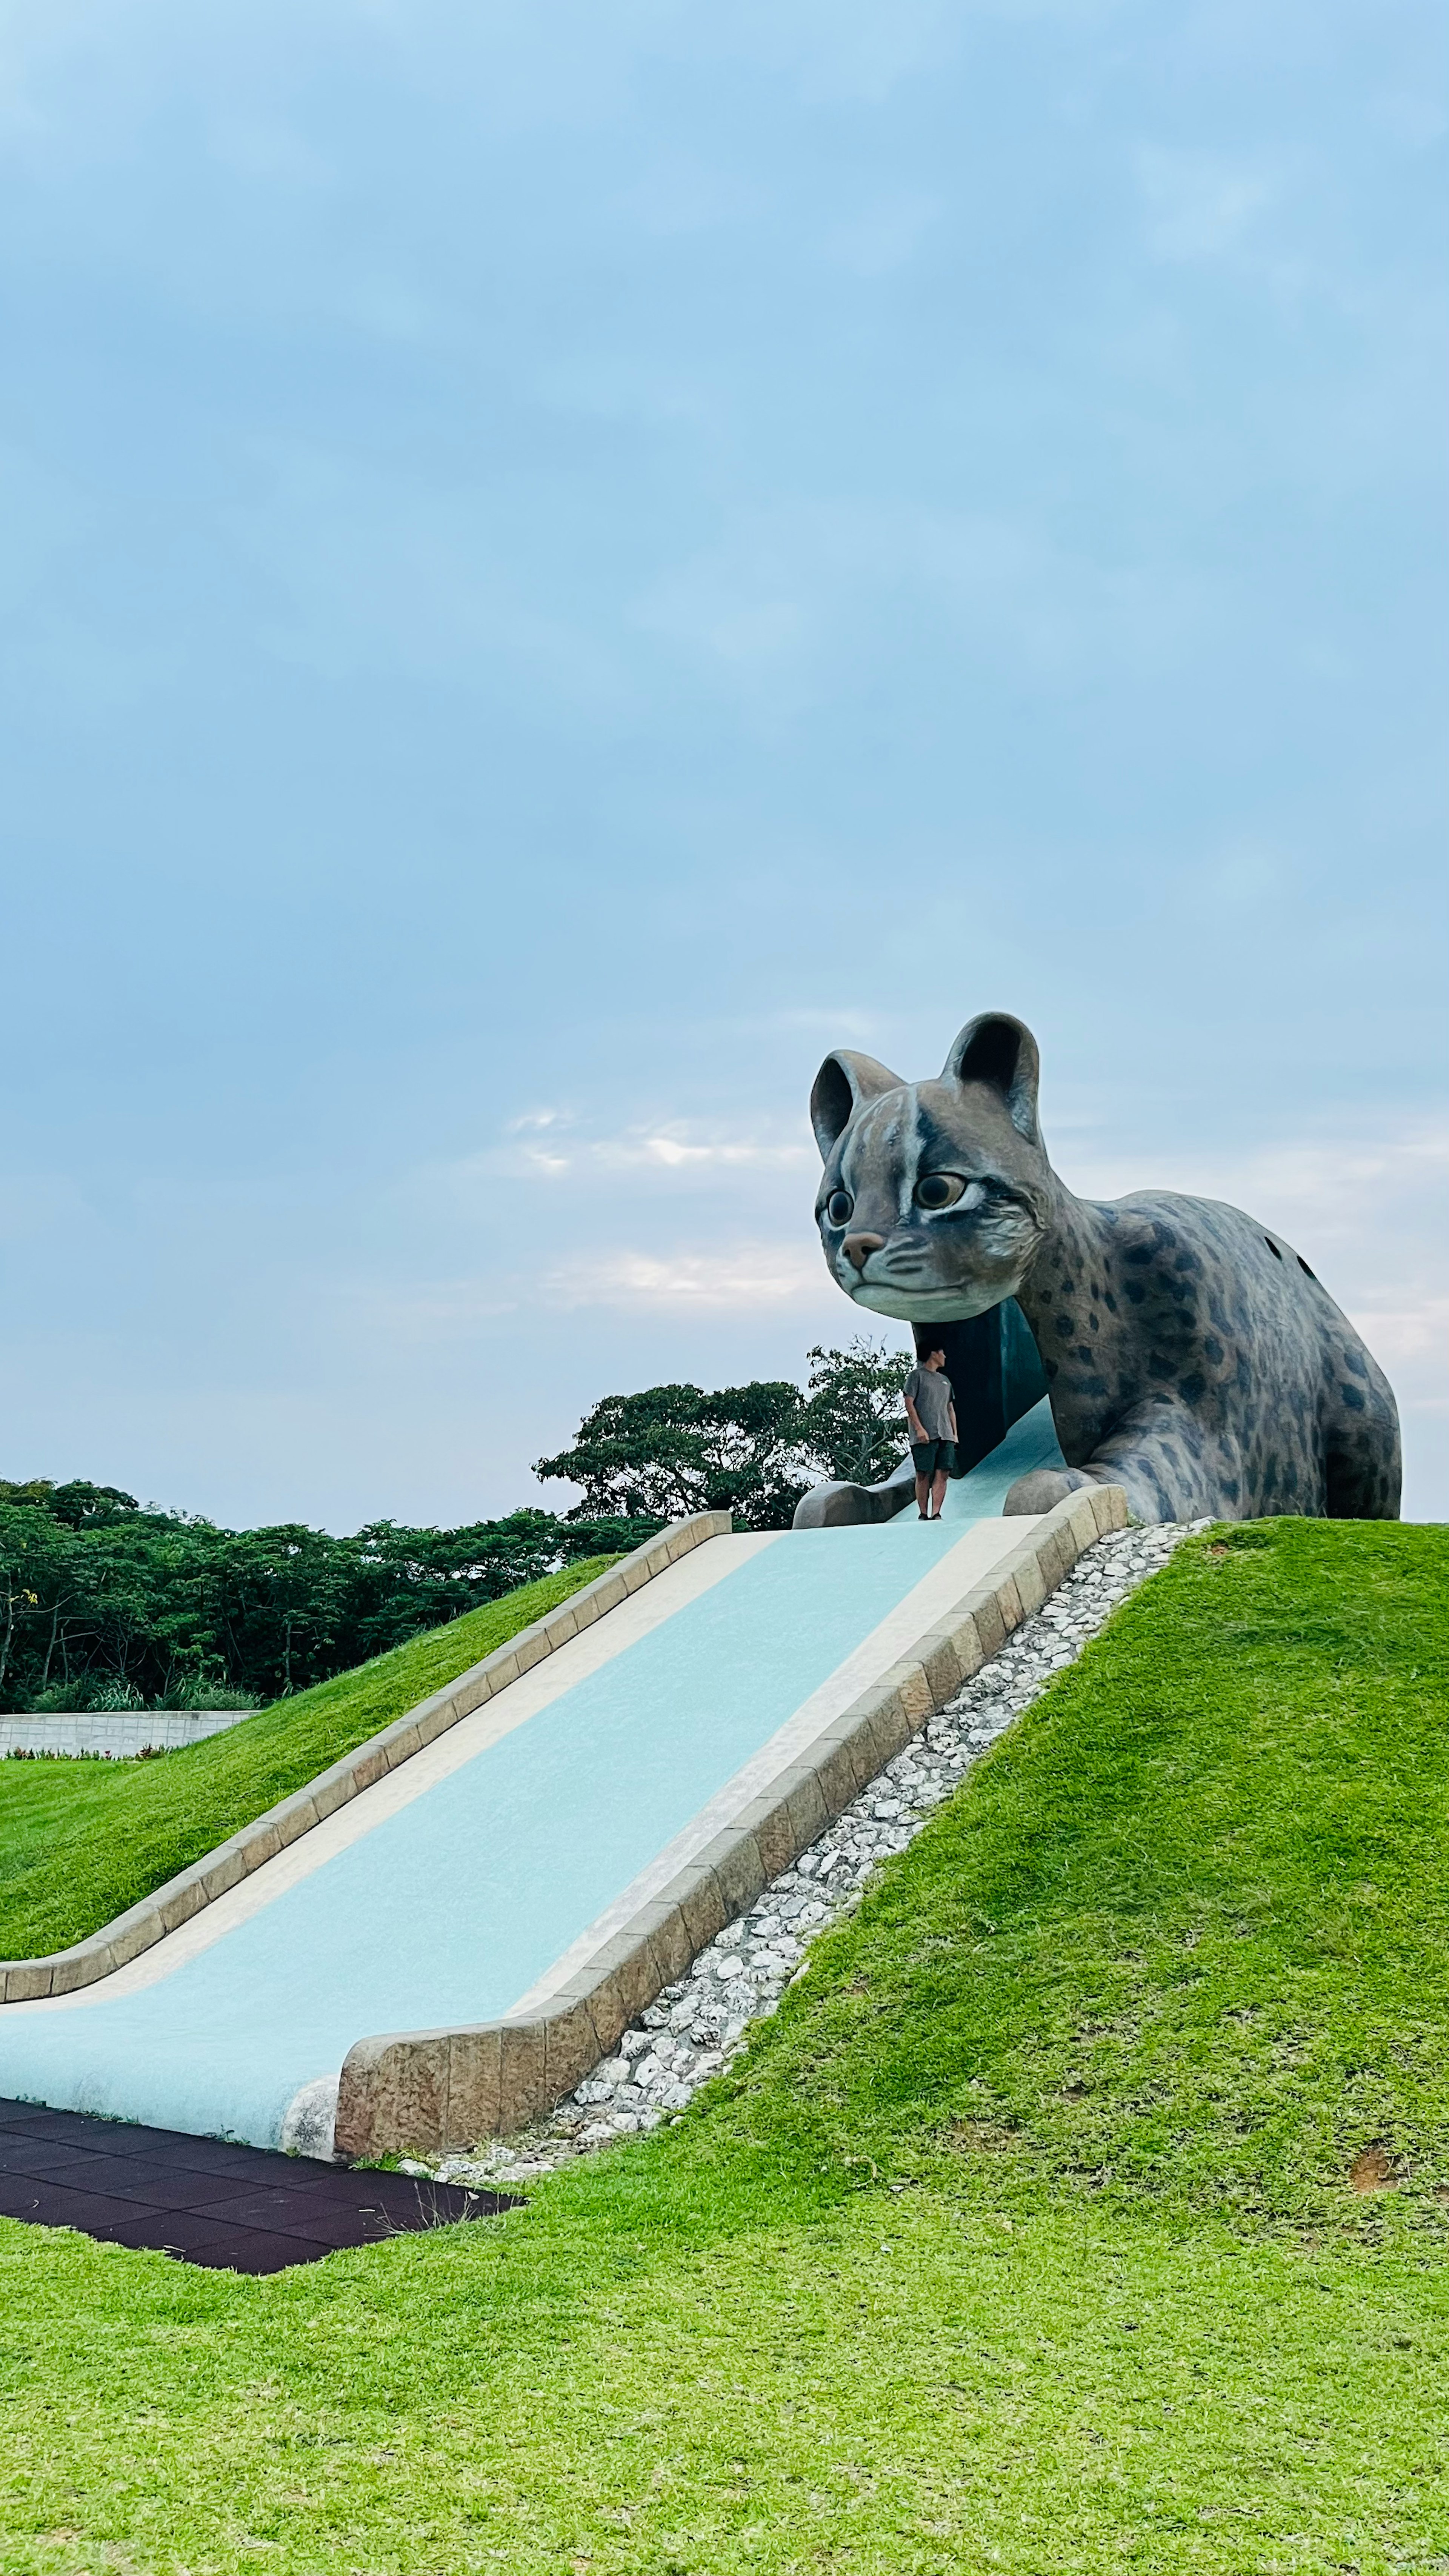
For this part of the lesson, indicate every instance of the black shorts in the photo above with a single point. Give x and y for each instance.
(934, 1457)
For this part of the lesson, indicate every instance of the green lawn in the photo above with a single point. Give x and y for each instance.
(80, 1841)
(1023, 2237)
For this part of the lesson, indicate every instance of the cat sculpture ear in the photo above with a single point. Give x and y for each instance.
(843, 1082)
(997, 1049)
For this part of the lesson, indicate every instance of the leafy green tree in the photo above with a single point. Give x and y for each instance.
(277, 1603)
(408, 1579)
(38, 1582)
(751, 1450)
(673, 1450)
(852, 1424)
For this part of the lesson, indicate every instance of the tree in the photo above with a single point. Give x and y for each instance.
(751, 1450)
(37, 1582)
(77, 1505)
(407, 1579)
(852, 1424)
(672, 1450)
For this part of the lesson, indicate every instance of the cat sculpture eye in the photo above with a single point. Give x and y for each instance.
(940, 1189)
(840, 1207)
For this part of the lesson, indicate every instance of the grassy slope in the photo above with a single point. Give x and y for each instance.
(1021, 2239)
(80, 1841)
(1190, 1932)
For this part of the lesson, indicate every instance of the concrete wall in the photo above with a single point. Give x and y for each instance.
(116, 1731)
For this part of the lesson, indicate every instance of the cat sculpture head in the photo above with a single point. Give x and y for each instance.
(935, 1195)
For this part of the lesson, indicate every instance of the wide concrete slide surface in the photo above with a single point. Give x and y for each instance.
(453, 1887)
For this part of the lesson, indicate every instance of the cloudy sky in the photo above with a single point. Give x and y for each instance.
(555, 564)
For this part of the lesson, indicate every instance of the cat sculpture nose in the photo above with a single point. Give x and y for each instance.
(859, 1247)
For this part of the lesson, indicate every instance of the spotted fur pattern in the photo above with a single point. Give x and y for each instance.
(1191, 1354)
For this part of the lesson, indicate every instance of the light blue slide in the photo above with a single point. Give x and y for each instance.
(1031, 1442)
(442, 1896)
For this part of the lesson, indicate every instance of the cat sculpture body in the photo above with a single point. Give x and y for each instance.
(1191, 1355)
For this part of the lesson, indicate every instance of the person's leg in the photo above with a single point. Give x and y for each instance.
(923, 1458)
(938, 1493)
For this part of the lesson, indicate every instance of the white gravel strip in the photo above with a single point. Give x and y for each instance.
(699, 2023)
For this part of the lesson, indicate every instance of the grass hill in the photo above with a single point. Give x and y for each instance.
(1083, 2207)
(1187, 1934)
(80, 1841)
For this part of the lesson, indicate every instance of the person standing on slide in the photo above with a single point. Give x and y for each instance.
(931, 1413)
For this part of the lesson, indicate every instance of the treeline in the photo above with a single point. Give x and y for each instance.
(106, 1604)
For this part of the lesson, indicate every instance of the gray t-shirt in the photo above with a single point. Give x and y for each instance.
(931, 1393)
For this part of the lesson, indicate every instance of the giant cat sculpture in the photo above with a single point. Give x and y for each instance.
(1190, 1355)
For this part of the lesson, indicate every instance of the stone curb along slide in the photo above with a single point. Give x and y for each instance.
(427, 2091)
(553, 1838)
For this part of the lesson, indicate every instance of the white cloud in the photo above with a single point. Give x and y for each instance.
(541, 1160)
(1408, 1332)
(672, 1149)
(747, 1275)
(546, 1150)
(1334, 1188)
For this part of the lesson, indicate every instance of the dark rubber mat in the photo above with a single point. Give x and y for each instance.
(236, 2209)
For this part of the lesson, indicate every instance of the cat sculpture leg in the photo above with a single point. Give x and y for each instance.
(1156, 1455)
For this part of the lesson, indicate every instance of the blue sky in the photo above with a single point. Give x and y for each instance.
(556, 564)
